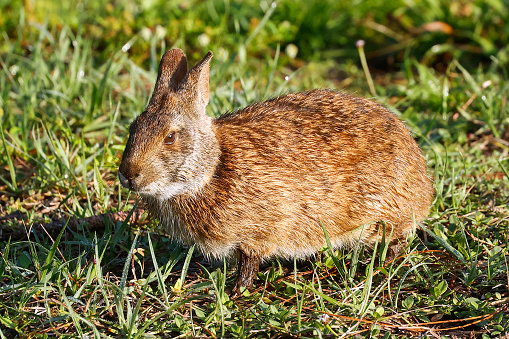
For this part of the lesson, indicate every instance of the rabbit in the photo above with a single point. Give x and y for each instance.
(266, 180)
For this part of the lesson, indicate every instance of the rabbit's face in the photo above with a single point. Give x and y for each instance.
(165, 141)
(172, 147)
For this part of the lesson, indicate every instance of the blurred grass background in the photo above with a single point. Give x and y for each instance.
(74, 74)
(432, 31)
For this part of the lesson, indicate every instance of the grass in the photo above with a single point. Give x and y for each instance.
(71, 81)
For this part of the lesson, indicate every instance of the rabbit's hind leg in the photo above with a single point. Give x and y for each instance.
(248, 266)
(395, 249)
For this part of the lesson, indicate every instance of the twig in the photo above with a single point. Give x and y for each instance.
(479, 240)
(419, 327)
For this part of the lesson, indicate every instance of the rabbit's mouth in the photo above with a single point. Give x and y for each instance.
(160, 190)
(163, 191)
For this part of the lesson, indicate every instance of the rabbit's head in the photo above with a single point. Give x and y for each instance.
(172, 148)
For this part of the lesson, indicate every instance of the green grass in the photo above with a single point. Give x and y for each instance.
(72, 78)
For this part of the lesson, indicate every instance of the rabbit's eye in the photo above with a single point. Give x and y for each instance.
(170, 139)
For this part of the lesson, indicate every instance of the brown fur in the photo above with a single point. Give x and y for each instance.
(259, 182)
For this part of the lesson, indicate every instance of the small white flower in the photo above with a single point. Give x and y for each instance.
(292, 51)
(324, 318)
(203, 39)
(13, 69)
(160, 32)
(146, 33)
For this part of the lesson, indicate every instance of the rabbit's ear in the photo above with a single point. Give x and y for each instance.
(172, 70)
(198, 79)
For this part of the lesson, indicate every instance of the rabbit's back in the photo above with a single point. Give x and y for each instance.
(293, 163)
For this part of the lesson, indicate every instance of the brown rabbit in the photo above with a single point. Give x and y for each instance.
(259, 183)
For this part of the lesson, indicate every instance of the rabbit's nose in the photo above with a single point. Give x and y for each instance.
(127, 183)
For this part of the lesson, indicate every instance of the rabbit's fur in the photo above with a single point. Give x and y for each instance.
(261, 182)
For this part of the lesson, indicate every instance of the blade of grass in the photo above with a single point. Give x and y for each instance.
(122, 293)
(185, 267)
(98, 93)
(366, 292)
(447, 246)
(330, 249)
(51, 254)
(13, 185)
(160, 279)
